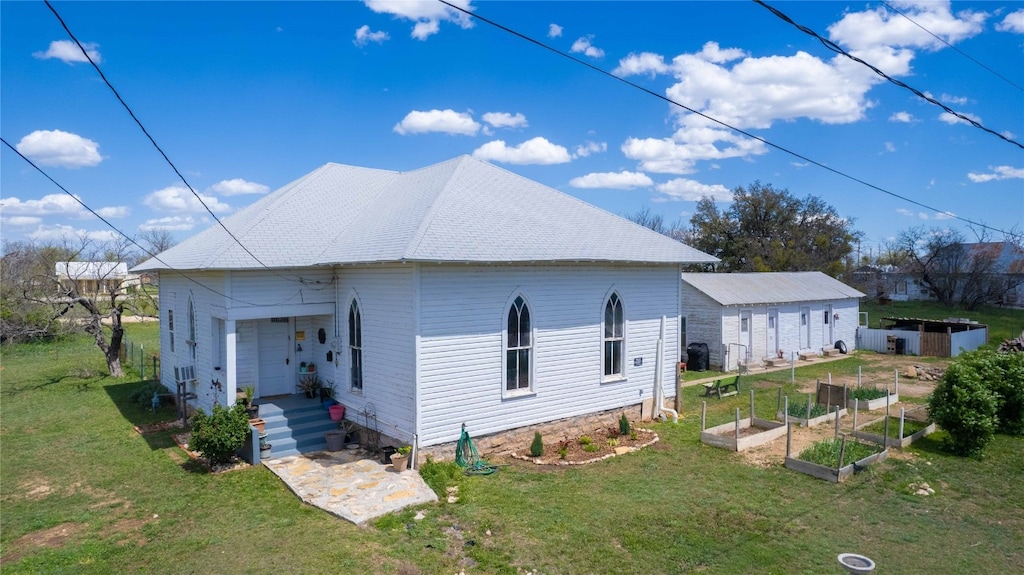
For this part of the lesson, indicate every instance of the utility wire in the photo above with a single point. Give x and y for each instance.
(153, 141)
(835, 48)
(119, 232)
(961, 52)
(715, 120)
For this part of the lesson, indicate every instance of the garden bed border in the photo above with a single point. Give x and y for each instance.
(724, 436)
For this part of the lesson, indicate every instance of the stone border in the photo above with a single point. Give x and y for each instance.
(618, 451)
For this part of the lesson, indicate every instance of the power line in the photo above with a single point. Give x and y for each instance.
(153, 141)
(122, 234)
(835, 48)
(961, 52)
(715, 120)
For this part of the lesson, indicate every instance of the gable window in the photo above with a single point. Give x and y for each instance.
(170, 327)
(614, 338)
(355, 346)
(518, 347)
(191, 342)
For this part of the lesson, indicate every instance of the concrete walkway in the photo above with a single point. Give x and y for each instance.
(350, 484)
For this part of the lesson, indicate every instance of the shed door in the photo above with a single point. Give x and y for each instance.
(746, 336)
(773, 333)
(827, 328)
(805, 328)
(274, 357)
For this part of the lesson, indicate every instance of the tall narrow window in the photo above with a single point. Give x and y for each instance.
(613, 337)
(355, 345)
(191, 329)
(518, 347)
(170, 327)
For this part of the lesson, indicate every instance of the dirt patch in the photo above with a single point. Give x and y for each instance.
(774, 453)
(603, 443)
(52, 538)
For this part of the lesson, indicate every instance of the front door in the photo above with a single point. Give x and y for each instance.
(805, 328)
(827, 328)
(773, 333)
(274, 377)
(746, 337)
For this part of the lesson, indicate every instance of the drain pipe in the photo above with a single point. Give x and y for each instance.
(659, 377)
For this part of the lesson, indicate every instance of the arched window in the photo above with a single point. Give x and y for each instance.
(614, 338)
(355, 346)
(518, 348)
(192, 328)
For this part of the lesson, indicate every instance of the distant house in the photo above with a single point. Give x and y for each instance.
(749, 318)
(456, 293)
(967, 274)
(93, 278)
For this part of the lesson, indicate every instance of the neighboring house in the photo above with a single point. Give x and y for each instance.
(93, 278)
(456, 293)
(982, 272)
(748, 318)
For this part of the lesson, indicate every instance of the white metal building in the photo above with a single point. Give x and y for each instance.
(456, 293)
(747, 318)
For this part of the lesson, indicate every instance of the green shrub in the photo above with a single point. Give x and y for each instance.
(800, 410)
(585, 440)
(537, 447)
(1003, 373)
(624, 425)
(826, 452)
(868, 393)
(219, 435)
(965, 408)
(440, 475)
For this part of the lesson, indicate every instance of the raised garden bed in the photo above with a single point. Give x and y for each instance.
(854, 459)
(752, 433)
(814, 420)
(913, 430)
(872, 404)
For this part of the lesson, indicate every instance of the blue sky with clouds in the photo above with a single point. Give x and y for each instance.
(246, 97)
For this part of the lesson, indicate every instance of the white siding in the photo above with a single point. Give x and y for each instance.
(463, 315)
(703, 321)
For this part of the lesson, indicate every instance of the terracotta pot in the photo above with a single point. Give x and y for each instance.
(258, 423)
(399, 462)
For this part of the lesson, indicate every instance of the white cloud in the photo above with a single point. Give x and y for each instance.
(535, 151)
(585, 149)
(879, 29)
(584, 46)
(902, 117)
(170, 224)
(445, 121)
(682, 189)
(180, 199)
(364, 36)
(554, 31)
(922, 215)
(48, 205)
(904, 212)
(426, 15)
(58, 232)
(642, 63)
(238, 187)
(952, 119)
(505, 120)
(890, 147)
(59, 148)
(679, 154)
(1013, 23)
(114, 212)
(944, 215)
(21, 221)
(998, 173)
(69, 53)
(614, 180)
(950, 99)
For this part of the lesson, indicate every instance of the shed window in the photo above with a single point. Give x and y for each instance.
(614, 337)
(355, 346)
(170, 327)
(518, 347)
(191, 342)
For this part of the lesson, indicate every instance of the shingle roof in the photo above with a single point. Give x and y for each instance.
(769, 287)
(461, 210)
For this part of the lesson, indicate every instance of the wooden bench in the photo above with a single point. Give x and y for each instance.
(721, 387)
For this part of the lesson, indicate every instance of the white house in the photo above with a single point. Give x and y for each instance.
(93, 278)
(456, 293)
(748, 318)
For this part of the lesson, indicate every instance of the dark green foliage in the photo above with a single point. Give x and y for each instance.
(965, 408)
(826, 452)
(440, 475)
(143, 396)
(868, 393)
(537, 447)
(219, 435)
(799, 410)
(1003, 374)
(623, 425)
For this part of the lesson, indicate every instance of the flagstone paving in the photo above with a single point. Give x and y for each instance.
(350, 484)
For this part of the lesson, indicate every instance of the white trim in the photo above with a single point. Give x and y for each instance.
(623, 374)
(268, 311)
(531, 390)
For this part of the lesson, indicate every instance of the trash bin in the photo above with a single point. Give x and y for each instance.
(697, 357)
(901, 346)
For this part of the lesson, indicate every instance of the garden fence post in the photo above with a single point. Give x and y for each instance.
(897, 381)
(778, 402)
(836, 412)
(142, 364)
(737, 424)
(703, 414)
(789, 437)
(856, 404)
(885, 442)
(842, 452)
(792, 368)
(902, 414)
(751, 406)
(808, 407)
(785, 410)
(858, 377)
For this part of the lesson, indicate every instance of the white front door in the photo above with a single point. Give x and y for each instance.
(773, 333)
(746, 339)
(274, 377)
(827, 328)
(805, 328)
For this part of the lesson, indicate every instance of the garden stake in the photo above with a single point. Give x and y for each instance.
(785, 410)
(792, 368)
(751, 406)
(858, 377)
(856, 403)
(778, 402)
(737, 424)
(789, 436)
(703, 413)
(809, 407)
(885, 438)
(842, 452)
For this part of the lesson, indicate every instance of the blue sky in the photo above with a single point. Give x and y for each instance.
(246, 97)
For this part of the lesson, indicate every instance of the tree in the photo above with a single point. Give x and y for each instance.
(656, 222)
(765, 229)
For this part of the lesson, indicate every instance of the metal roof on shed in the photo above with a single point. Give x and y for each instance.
(770, 287)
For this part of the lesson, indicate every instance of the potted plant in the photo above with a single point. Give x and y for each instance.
(310, 385)
(327, 393)
(250, 392)
(400, 459)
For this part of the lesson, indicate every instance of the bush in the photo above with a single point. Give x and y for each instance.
(965, 408)
(623, 425)
(440, 475)
(1003, 373)
(219, 435)
(537, 447)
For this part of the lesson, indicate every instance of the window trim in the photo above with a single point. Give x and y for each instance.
(622, 374)
(530, 390)
(170, 327)
(192, 336)
(355, 332)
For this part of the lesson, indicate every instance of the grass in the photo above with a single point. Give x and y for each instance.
(1002, 323)
(910, 427)
(84, 493)
(826, 452)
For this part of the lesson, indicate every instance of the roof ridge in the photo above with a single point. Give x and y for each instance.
(428, 218)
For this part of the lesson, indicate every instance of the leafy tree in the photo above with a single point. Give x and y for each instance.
(765, 229)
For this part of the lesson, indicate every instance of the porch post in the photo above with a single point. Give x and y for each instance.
(231, 372)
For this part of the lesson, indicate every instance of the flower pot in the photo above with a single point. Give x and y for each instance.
(265, 451)
(335, 440)
(399, 461)
(337, 412)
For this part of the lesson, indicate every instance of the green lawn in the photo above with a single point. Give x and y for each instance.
(84, 493)
(1003, 323)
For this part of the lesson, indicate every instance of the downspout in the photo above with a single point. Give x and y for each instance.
(659, 375)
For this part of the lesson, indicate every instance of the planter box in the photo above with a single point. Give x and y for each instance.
(830, 416)
(832, 474)
(724, 436)
(893, 442)
(873, 404)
